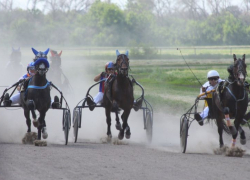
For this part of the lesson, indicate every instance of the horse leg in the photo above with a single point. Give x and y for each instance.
(242, 136)
(227, 118)
(220, 131)
(108, 120)
(125, 126)
(43, 125)
(28, 121)
(31, 106)
(118, 124)
(235, 135)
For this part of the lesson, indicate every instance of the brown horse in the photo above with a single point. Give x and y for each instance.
(231, 100)
(56, 74)
(121, 96)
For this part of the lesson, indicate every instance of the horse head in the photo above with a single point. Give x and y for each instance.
(55, 59)
(239, 70)
(15, 55)
(41, 66)
(122, 63)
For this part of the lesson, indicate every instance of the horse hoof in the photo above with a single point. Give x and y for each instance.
(233, 130)
(127, 136)
(35, 123)
(109, 138)
(120, 135)
(44, 132)
(118, 126)
(243, 141)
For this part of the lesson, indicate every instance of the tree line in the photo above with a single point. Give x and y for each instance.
(138, 23)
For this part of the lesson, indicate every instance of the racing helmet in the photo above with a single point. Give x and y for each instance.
(109, 65)
(31, 68)
(212, 73)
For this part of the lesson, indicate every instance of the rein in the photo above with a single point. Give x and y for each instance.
(236, 100)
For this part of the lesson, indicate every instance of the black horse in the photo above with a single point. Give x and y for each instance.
(231, 100)
(14, 68)
(37, 97)
(121, 96)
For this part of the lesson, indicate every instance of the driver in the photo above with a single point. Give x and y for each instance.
(16, 98)
(109, 70)
(213, 80)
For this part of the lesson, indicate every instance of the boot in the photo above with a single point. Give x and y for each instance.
(56, 103)
(6, 100)
(198, 118)
(91, 104)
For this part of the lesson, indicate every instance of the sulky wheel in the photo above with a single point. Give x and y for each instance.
(183, 134)
(76, 123)
(149, 126)
(66, 126)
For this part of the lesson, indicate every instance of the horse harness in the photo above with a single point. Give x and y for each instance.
(28, 86)
(225, 85)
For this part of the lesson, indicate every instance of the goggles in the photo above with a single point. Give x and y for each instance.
(213, 79)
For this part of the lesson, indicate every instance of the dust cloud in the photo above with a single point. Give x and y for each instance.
(165, 128)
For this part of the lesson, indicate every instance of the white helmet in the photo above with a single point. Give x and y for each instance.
(212, 73)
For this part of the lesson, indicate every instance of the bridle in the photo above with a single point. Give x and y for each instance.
(239, 71)
(122, 71)
(41, 69)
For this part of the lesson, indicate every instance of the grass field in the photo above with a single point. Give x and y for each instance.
(171, 85)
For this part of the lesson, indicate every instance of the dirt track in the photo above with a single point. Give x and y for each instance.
(104, 161)
(91, 158)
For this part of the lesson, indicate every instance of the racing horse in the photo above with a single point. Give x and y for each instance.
(56, 74)
(14, 68)
(37, 97)
(121, 96)
(230, 100)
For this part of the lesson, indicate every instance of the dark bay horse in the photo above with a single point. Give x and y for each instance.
(56, 74)
(231, 101)
(37, 97)
(14, 67)
(121, 96)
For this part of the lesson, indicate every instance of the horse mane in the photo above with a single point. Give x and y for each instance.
(231, 73)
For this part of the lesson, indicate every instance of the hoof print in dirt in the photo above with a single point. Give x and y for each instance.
(29, 138)
(40, 143)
